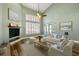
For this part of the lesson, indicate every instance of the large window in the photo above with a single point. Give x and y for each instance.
(32, 25)
(48, 28)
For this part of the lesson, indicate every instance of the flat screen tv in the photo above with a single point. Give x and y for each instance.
(13, 32)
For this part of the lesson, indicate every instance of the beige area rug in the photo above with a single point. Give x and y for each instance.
(29, 50)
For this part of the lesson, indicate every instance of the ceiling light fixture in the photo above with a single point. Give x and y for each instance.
(38, 13)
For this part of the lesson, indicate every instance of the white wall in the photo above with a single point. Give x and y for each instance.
(60, 12)
(0, 23)
(24, 12)
(4, 22)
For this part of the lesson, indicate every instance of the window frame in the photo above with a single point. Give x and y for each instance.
(33, 23)
(47, 29)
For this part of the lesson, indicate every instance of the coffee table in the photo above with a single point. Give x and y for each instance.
(41, 45)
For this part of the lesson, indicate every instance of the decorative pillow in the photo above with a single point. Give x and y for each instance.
(58, 36)
(62, 44)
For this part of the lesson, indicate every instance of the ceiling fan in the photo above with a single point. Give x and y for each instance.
(40, 15)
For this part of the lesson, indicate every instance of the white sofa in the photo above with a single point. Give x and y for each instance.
(51, 39)
(66, 51)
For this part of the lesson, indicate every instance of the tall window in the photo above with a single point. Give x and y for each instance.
(48, 29)
(32, 25)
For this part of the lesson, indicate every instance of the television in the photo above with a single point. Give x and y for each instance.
(14, 32)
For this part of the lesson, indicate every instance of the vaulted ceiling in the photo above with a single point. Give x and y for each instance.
(34, 6)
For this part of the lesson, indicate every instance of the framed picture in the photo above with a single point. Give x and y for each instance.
(66, 26)
(12, 15)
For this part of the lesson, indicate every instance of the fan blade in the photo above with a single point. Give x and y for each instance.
(44, 15)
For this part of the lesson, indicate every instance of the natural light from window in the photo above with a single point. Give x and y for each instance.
(32, 25)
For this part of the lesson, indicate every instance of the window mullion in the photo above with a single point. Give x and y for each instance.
(32, 23)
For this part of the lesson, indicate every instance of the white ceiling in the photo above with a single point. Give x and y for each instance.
(34, 6)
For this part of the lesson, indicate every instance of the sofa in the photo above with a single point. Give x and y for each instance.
(66, 50)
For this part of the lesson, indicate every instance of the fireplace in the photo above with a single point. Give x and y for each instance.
(14, 33)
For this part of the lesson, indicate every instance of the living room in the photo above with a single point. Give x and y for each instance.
(39, 29)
